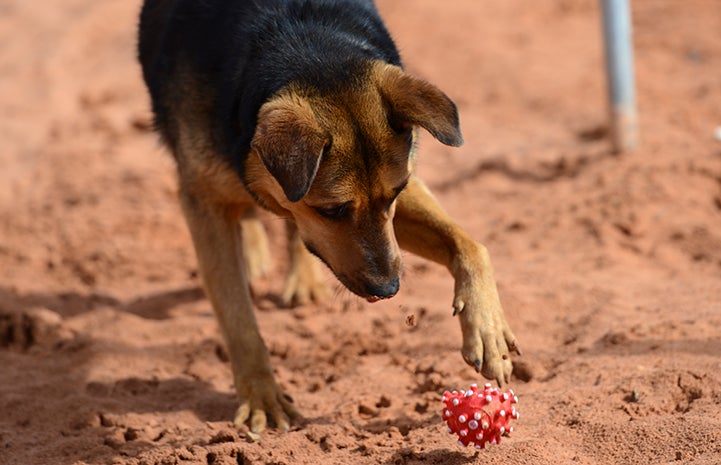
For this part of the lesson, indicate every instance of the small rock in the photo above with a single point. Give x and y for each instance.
(523, 371)
(366, 411)
(384, 402)
(225, 435)
(421, 407)
(411, 321)
(115, 439)
(131, 434)
(634, 396)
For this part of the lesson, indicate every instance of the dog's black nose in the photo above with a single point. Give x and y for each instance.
(384, 290)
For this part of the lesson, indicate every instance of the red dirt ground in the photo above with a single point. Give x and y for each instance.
(609, 267)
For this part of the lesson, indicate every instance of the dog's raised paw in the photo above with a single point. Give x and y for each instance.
(487, 338)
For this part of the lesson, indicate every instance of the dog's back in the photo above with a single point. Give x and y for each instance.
(238, 53)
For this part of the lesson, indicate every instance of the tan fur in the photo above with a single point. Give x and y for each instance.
(256, 249)
(311, 147)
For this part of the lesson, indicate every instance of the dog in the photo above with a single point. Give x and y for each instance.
(302, 107)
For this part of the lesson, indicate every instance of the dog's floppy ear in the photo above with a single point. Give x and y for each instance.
(414, 101)
(290, 143)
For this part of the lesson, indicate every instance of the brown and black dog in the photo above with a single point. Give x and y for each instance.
(302, 107)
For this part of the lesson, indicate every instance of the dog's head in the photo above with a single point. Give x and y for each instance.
(336, 162)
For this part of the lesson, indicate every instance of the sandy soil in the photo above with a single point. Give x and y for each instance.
(609, 266)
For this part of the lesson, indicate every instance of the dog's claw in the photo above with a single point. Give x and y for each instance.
(258, 421)
(252, 437)
(283, 426)
(458, 307)
(258, 407)
(242, 414)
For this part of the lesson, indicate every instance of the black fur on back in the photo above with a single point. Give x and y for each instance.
(243, 51)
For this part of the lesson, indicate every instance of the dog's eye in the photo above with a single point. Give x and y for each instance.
(389, 203)
(335, 212)
(396, 192)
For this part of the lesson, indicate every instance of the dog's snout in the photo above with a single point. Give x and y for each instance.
(385, 289)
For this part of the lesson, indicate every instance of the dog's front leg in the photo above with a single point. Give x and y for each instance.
(423, 228)
(216, 233)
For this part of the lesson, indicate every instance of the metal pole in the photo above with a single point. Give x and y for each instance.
(619, 69)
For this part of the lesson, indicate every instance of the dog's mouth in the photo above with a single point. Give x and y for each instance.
(363, 292)
(366, 291)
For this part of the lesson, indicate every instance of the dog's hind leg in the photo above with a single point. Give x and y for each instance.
(423, 228)
(216, 233)
(304, 282)
(256, 250)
